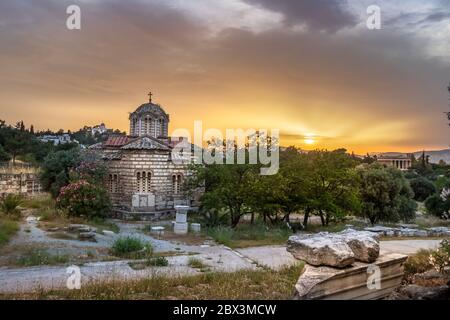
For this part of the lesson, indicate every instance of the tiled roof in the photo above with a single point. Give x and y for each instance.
(145, 142)
(116, 141)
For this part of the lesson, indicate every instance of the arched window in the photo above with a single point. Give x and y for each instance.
(177, 180)
(113, 183)
(159, 128)
(147, 124)
(143, 181)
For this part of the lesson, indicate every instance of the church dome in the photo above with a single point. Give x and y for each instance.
(149, 119)
(149, 108)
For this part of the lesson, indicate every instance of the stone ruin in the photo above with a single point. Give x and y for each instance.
(345, 265)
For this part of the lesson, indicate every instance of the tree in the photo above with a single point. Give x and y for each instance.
(56, 170)
(15, 142)
(4, 156)
(331, 185)
(423, 188)
(227, 187)
(438, 206)
(385, 194)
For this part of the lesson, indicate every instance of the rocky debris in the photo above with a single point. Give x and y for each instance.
(415, 292)
(31, 219)
(439, 231)
(408, 226)
(365, 245)
(335, 249)
(406, 230)
(321, 249)
(108, 233)
(81, 228)
(431, 278)
(86, 236)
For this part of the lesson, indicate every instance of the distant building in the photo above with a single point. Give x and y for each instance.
(402, 161)
(56, 139)
(99, 129)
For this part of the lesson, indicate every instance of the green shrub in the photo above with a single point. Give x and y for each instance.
(7, 230)
(423, 188)
(418, 263)
(130, 247)
(436, 206)
(157, 262)
(9, 205)
(196, 263)
(47, 214)
(82, 198)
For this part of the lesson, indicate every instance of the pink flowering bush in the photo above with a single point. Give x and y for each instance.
(82, 198)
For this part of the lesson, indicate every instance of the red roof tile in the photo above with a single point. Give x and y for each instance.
(116, 141)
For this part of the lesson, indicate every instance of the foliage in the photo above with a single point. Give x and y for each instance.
(196, 263)
(4, 156)
(157, 262)
(385, 194)
(56, 170)
(418, 263)
(319, 182)
(7, 229)
(437, 206)
(423, 188)
(10, 203)
(82, 198)
(440, 258)
(130, 247)
(227, 187)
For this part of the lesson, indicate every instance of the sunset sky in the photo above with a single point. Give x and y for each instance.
(309, 68)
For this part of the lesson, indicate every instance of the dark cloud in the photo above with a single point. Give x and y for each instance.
(321, 15)
(372, 82)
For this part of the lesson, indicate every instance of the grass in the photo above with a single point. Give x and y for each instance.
(39, 202)
(130, 247)
(249, 235)
(40, 257)
(240, 285)
(8, 228)
(418, 263)
(196, 263)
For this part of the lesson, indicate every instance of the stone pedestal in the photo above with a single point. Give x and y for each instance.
(181, 225)
(351, 283)
(195, 227)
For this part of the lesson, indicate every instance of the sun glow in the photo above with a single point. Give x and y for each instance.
(309, 141)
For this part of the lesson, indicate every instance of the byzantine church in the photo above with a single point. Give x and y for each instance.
(143, 180)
